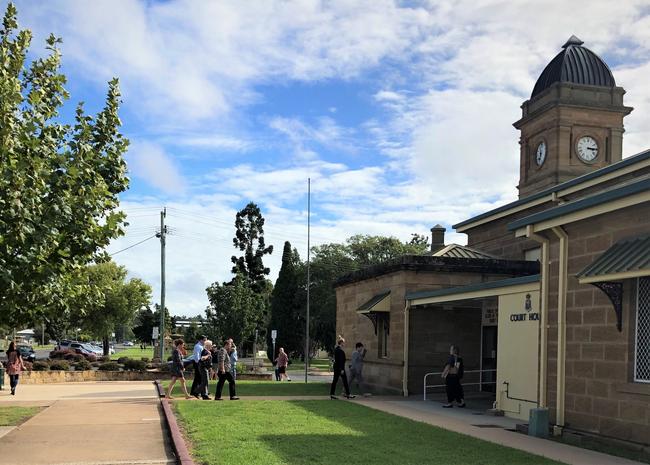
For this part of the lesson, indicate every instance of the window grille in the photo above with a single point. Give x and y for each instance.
(642, 343)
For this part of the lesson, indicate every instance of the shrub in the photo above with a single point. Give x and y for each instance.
(59, 354)
(82, 365)
(95, 364)
(91, 358)
(122, 360)
(134, 365)
(28, 365)
(145, 359)
(73, 357)
(40, 365)
(59, 365)
(110, 366)
(104, 358)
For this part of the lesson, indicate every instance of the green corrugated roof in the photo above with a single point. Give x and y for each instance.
(639, 157)
(626, 255)
(460, 251)
(372, 302)
(473, 287)
(582, 204)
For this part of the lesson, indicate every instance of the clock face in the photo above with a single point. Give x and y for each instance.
(540, 154)
(587, 148)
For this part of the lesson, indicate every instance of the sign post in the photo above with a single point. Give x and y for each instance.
(274, 335)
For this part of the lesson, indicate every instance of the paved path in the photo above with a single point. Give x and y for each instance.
(493, 429)
(88, 424)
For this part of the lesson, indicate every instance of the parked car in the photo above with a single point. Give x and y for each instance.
(128, 343)
(97, 350)
(27, 353)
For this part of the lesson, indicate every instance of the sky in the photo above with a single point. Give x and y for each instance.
(400, 113)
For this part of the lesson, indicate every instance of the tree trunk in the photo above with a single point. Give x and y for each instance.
(105, 345)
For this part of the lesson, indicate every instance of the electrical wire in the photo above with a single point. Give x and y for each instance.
(132, 245)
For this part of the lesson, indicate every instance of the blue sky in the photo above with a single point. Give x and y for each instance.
(400, 112)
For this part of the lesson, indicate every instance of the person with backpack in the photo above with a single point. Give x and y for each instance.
(15, 366)
(452, 374)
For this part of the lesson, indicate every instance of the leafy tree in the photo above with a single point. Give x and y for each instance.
(287, 316)
(235, 310)
(249, 238)
(59, 183)
(118, 303)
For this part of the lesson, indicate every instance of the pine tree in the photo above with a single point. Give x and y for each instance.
(249, 238)
(286, 314)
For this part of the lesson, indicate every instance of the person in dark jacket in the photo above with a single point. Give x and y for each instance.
(205, 363)
(452, 374)
(339, 370)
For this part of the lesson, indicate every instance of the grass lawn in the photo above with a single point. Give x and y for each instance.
(263, 388)
(327, 432)
(134, 352)
(322, 364)
(11, 416)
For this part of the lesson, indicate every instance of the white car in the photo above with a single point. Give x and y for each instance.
(128, 344)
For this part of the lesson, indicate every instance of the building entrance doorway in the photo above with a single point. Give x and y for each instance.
(489, 358)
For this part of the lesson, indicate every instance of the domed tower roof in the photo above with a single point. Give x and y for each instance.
(575, 64)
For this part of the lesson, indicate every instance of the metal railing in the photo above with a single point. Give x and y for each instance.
(480, 382)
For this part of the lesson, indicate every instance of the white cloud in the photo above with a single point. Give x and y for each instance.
(150, 163)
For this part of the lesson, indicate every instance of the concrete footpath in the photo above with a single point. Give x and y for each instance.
(493, 429)
(88, 424)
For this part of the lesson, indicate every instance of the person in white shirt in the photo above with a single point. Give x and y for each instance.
(196, 359)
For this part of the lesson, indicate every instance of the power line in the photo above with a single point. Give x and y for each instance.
(133, 245)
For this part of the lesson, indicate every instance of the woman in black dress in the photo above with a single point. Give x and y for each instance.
(177, 369)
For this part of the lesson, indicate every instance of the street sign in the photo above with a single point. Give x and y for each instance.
(154, 334)
(274, 334)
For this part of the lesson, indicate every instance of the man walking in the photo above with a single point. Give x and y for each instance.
(339, 370)
(356, 367)
(196, 362)
(223, 372)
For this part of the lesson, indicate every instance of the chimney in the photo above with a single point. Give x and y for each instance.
(437, 238)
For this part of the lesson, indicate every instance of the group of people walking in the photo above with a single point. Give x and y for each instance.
(208, 362)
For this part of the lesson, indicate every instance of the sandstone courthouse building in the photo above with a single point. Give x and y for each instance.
(551, 295)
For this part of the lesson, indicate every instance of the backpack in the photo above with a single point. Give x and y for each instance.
(461, 367)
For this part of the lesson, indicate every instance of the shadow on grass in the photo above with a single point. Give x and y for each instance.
(385, 439)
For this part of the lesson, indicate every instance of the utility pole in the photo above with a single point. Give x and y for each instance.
(308, 277)
(161, 335)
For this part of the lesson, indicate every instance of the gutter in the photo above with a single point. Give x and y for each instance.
(405, 388)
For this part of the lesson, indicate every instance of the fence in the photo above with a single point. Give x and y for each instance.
(479, 383)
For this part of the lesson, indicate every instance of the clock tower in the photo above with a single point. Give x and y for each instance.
(573, 122)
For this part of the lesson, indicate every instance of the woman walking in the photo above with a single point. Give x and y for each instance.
(178, 369)
(14, 366)
(339, 370)
(452, 374)
(283, 362)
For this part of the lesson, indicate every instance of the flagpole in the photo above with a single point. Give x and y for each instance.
(308, 276)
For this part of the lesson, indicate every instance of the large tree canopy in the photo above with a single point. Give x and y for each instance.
(235, 310)
(59, 183)
(118, 300)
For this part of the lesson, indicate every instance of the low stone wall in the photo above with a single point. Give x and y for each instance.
(47, 377)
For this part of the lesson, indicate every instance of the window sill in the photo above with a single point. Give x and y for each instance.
(642, 389)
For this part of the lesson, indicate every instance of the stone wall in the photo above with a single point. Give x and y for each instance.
(601, 396)
(386, 374)
(433, 330)
(51, 377)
